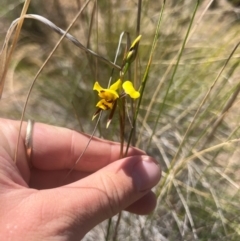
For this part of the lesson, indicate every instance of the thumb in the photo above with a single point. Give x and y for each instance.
(108, 191)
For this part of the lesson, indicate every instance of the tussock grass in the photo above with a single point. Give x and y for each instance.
(188, 117)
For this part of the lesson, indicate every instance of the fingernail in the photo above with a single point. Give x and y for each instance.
(146, 173)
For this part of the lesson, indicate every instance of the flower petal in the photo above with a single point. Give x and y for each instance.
(108, 95)
(116, 85)
(104, 105)
(129, 89)
(97, 87)
(130, 55)
(135, 42)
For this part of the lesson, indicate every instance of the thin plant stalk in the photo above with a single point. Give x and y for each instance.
(15, 39)
(40, 70)
(174, 72)
(168, 70)
(145, 77)
(202, 103)
(122, 130)
(108, 229)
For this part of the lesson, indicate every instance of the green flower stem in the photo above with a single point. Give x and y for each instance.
(173, 74)
(145, 77)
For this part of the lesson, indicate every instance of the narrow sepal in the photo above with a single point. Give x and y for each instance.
(111, 114)
(96, 113)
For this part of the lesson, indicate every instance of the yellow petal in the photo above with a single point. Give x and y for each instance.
(104, 105)
(136, 42)
(133, 49)
(108, 95)
(129, 89)
(97, 87)
(116, 85)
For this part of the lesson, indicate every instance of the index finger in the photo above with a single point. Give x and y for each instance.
(57, 148)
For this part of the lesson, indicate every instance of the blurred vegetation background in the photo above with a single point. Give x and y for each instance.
(188, 120)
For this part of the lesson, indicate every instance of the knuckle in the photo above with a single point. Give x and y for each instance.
(112, 194)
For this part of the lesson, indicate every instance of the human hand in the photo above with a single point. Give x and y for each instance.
(41, 204)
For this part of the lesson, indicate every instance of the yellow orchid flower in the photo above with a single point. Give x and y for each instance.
(129, 89)
(108, 96)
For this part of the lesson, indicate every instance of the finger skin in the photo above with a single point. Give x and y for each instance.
(63, 149)
(70, 211)
(100, 186)
(114, 188)
(57, 148)
(144, 205)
